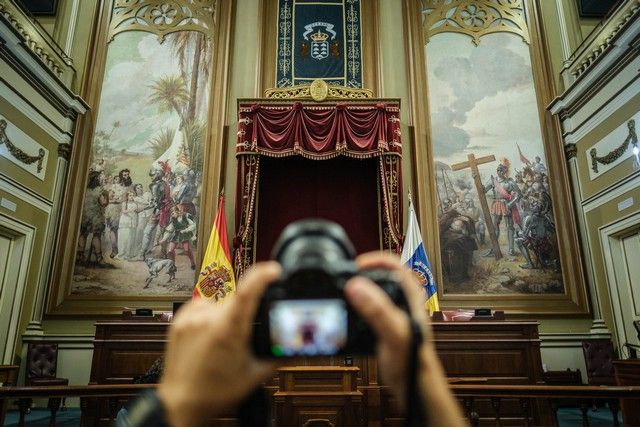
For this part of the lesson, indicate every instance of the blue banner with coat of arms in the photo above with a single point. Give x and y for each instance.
(319, 40)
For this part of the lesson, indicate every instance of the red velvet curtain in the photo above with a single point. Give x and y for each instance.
(319, 131)
(342, 190)
(361, 130)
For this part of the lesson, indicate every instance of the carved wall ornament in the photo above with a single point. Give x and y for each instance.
(570, 151)
(605, 40)
(51, 55)
(318, 90)
(64, 151)
(17, 152)
(162, 17)
(614, 155)
(474, 18)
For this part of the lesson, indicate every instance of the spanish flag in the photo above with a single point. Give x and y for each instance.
(216, 280)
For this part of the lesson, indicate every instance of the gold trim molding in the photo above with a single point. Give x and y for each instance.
(318, 91)
(16, 152)
(615, 154)
(474, 18)
(162, 17)
(38, 42)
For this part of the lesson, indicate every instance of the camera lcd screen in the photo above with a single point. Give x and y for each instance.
(308, 327)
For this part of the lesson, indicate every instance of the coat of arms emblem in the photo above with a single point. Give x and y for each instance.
(319, 48)
(216, 281)
(319, 45)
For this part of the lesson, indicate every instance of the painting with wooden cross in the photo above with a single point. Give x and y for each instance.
(497, 232)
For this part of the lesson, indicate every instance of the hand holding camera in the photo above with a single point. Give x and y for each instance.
(305, 312)
(216, 352)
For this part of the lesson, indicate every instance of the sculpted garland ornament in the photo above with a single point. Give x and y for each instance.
(614, 155)
(474, 18)
(162, 17)
(18, 153)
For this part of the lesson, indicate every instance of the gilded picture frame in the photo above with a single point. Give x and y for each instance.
(63, 300)
(572, 300)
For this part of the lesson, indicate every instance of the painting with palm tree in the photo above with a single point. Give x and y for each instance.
(141, 205)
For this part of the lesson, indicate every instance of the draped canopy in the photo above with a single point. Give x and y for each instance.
(317, 131)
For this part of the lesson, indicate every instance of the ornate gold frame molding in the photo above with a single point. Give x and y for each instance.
(319, 91)
(162, 17)
(615, 154)
(17, 152)
(474, 18)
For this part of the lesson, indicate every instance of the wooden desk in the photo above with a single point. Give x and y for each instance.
(501, 352)
(324, 395)
(8, 375)
(628, 373)
(495, 352)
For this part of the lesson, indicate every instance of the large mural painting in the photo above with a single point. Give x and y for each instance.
(138, 233)
(496, 223)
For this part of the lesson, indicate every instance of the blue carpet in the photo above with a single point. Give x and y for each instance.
(567, 417)
(39, 417)
(572, 417)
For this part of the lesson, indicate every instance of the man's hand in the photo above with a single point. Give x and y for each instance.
(209, 365)
(392, 328)
(389, 322)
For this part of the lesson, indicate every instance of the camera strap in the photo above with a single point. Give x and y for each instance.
(415, 411)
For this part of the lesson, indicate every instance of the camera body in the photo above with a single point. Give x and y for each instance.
(305, 313)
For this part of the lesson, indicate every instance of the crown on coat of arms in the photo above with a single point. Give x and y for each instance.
(319, 37)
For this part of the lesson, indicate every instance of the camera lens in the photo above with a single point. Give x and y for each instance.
(312, 243)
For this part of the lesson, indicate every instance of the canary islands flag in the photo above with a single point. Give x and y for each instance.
(216, 280)
(415, 257)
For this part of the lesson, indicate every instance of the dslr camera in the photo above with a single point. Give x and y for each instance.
(305, 313)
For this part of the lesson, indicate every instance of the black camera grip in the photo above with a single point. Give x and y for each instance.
(415, 411)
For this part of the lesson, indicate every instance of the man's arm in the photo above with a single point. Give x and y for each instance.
(391, 325)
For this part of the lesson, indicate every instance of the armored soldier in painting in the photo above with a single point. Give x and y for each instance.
(160, 203)
(506, 194)
(538, 236)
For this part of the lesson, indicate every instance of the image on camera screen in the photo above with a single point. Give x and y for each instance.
(310, 327)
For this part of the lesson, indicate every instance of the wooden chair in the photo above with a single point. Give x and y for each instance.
(42, 364)
(598, 357)
(8, 375)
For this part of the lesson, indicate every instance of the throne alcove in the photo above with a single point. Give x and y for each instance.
(317, 151)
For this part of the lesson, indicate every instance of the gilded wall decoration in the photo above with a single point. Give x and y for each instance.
(474, 18)
(162, 17)
(318, 90)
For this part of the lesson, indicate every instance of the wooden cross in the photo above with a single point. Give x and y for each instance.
(473, 164)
